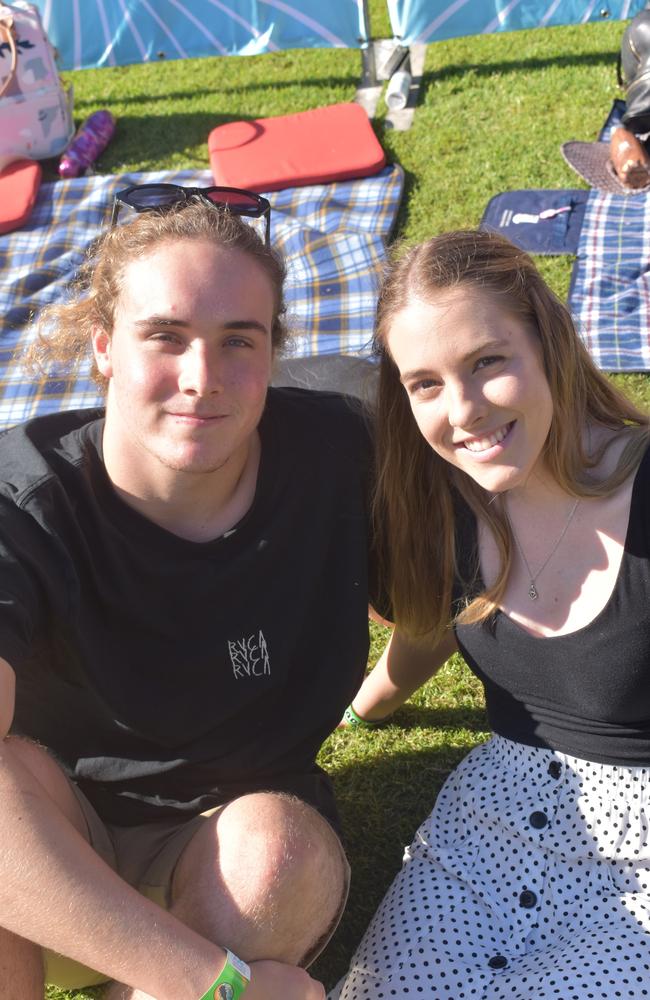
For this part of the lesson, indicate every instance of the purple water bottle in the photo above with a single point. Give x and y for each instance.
(90, 141)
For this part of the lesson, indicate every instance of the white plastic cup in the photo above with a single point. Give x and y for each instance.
(397, 92)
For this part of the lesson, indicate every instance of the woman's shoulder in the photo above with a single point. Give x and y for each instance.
(619, 454)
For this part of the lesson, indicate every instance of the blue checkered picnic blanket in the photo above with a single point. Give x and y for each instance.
(333, 237)
(610, 285)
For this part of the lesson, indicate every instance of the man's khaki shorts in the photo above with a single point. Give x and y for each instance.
(144, 856)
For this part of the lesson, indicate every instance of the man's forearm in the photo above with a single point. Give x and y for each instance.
(57, 892)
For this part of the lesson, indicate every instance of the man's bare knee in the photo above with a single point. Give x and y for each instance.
(284, 840)
(280, 872)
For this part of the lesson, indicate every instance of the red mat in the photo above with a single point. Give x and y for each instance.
(19, 184)
(334, 143)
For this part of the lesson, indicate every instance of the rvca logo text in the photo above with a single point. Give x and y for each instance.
(250, 656)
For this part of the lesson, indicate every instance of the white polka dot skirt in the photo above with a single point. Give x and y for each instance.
(530, 879)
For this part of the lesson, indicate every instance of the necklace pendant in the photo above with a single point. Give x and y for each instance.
(532, 591)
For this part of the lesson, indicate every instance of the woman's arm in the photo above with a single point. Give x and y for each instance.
(401, 670)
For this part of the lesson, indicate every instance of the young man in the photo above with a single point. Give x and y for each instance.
(183, 618)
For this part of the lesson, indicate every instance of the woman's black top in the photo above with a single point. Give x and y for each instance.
(586, 693)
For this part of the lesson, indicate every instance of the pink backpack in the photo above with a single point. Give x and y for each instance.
(35, 110)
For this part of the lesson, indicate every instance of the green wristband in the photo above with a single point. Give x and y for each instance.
(232, 981)
(352, 719)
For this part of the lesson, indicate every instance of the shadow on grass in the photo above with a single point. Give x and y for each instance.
(412, 716)
(382, 803)
(568, 60)
(219, 91)
(158, 137)
(468, 71)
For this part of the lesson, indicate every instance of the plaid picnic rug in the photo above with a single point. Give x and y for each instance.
(610, 284)
(333, 237)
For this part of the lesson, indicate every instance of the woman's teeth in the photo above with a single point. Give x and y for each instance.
(482, 444)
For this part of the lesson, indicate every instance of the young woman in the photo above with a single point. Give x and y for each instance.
(514, 486)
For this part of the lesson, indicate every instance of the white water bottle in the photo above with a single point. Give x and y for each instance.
(397, 92)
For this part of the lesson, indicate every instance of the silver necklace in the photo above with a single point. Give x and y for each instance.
(533, 592)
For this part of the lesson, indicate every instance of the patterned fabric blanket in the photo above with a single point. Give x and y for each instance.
(610, 285)
(333, 237)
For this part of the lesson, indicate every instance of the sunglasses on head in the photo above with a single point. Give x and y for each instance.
(158, 197)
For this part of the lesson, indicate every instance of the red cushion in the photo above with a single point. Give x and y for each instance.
(311, 147)
(19, 184)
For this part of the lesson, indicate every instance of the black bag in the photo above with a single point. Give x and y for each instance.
(634, 72)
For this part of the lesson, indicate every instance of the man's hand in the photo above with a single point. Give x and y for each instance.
(277, 981)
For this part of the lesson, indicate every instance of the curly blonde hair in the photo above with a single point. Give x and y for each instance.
(62, 332)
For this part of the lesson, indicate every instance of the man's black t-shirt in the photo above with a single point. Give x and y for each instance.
(168, 676)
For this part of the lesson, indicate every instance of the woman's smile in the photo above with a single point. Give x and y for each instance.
(479, 445)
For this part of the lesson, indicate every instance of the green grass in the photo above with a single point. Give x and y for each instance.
(492, 115)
